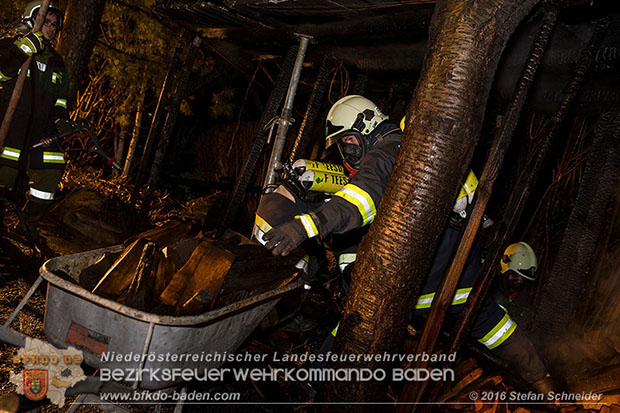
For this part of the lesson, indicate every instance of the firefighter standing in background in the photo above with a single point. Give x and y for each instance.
(369, 145)
(42, 109)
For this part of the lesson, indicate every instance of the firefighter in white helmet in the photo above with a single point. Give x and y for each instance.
(369, 144)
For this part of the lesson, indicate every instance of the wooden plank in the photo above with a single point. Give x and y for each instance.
(465, 381)
(168, 233)
(167, 263)
(139, 293)
(603, 382)
(120, 274)
(206, 269)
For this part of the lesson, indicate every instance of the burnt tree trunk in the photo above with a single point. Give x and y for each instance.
(169, 124)
(562, 295)
(78, 37)
(137, 126)
(443, 122)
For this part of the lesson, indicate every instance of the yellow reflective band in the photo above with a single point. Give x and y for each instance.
(262, 224)
(308, 224)
(62, 103)
(335, 330)
(424, 301)
(460, 297)
(347, 258)
(53, 157)
(499, 333)
(360, 199)
(10, 153)
(4, 77)
(260, 228)
(470, 185)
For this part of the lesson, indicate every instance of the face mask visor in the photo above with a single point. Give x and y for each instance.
(352, 148)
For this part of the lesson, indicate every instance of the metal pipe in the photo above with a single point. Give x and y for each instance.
(23, 302)
(314, 108)
(12, 337)
(256, 150)
(145, 349)
(285, 119)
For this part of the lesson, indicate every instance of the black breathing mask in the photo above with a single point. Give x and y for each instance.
(351, 153)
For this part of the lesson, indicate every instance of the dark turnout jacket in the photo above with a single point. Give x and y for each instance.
(43, 101)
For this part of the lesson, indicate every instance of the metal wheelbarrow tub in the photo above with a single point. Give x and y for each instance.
(76, 317)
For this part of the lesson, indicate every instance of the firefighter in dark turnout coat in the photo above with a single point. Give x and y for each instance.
(41, 108)
(369, 145)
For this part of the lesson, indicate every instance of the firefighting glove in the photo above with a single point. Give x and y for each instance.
(66, 126)
(30, 44)
(283, 239)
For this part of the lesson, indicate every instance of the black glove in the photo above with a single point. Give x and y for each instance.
(284, 238)
(30, 44)
(66, 126)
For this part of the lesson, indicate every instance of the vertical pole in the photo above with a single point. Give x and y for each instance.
(135, 136)
(19, 83)
(314, 108)
(271, 109)
(150, 139)
(285, 119)
(171, 119)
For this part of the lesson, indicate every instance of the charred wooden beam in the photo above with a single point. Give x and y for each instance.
(562, 294)
(603, 382)
(171, 119)
(145, 161)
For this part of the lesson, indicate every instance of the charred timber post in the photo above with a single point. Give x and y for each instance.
(488, 178)
(145, 161)
(522, 191)
(19, 83)
(285, 120)
(561, 296)
(314, 109)
(444, 119)
(360, 83)
(271, 110)
(171, 120)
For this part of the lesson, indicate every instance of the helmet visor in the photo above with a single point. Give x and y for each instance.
(332, 133)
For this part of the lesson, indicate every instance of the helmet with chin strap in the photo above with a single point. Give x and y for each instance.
(32, 9)
(355, 116)
(521, 259)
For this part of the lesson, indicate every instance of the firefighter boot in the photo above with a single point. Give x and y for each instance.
(520, 352)
(34, 211)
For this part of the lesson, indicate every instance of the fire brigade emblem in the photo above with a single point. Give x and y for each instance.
(35, 383)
